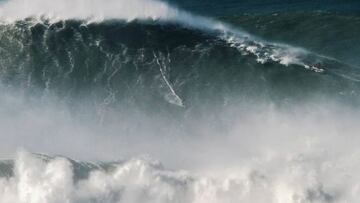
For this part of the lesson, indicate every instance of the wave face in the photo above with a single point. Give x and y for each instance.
(229, 114)
(167, 54)
(340, 42)
(161, 63)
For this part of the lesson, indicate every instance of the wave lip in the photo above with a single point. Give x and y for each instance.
(97, 11)
(87, 9)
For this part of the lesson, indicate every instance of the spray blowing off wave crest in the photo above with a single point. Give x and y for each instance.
(117, 79)
(97, 10)
(83, 9)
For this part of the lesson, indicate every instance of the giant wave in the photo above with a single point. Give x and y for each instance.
(232, 117)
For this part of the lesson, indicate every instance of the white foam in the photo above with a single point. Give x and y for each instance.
(302, 155)
(290, 156)
(87, 9)
(99, 10)
(286, 157)
(293, 180)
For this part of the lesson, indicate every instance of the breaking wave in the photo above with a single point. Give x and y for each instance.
(233, 117)
(168, 62)
(39, 178)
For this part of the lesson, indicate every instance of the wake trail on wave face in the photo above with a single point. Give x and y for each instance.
(232, 152)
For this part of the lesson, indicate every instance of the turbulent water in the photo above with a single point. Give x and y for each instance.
(169, 106)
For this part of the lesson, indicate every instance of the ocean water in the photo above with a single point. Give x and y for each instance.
(234, 7)
(179, 101)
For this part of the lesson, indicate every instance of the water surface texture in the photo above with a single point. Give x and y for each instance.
(179, 101)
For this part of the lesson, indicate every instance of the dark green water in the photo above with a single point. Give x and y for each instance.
(261, 97)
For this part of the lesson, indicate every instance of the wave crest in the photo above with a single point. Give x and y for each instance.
(87, 9)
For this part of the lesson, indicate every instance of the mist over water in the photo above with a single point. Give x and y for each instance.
(165, 106)
(293, 155)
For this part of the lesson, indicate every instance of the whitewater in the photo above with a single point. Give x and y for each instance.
(206, 113)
